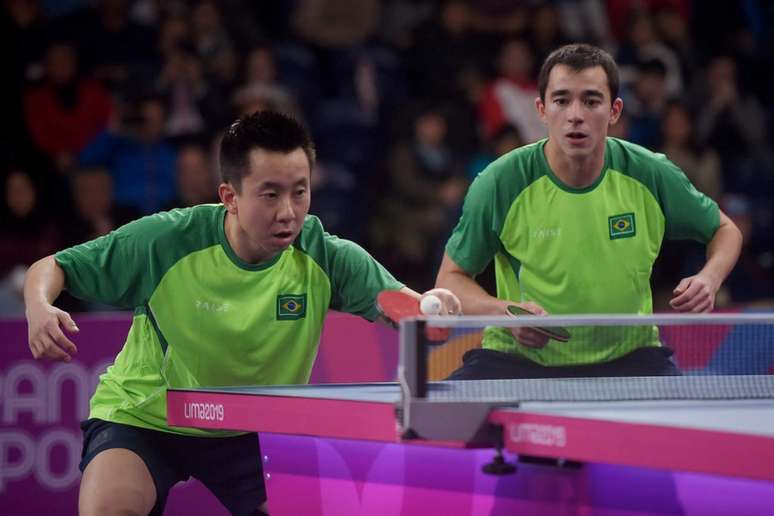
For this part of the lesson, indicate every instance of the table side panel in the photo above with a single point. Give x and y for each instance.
(636, 444)
(344, 419)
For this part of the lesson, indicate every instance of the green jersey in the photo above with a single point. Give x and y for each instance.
(574, 251)
(203, 317)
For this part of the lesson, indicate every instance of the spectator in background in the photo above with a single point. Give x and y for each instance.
(647, 103)
(260, 87)
(140, 161)
(427, 188)
(65, 112)
(504, 141)
(94, 208)
(751, 281)
(545, 30)
(196, 179)
(510, 98)
(112, 45)
(211, 39)
(27, 232)
(447, 51)
(182, 84)
(733, 123)
(643, 45)
(700, 163)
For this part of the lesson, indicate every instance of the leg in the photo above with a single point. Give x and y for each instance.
(488, 364)
(646, 361)
(126, 469)
(232, 469)
(104, 491)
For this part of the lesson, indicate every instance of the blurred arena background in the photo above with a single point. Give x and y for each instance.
(112, 109)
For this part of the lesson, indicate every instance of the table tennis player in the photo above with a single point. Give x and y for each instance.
(574, 223)
(223, 294)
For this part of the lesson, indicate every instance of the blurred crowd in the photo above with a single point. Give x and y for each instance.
(112, 110)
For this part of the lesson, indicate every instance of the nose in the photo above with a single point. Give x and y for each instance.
(575, 112)
(285, 212)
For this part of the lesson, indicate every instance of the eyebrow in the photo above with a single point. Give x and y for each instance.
(279, 186)
(585, 93)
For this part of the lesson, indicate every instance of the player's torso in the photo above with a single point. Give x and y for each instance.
(582, 251)
(225, 324)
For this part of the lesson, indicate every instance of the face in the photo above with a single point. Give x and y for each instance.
(20, 194)
(272, 203)
(194, 176)
(61, 64)
(93, 193)
(578, 110)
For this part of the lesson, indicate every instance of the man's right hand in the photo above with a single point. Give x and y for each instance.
(44, 332)
(528, 336)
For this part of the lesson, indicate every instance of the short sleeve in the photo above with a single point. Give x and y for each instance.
(689, 213)
(476, 239)
(356, 278)
(114, 269)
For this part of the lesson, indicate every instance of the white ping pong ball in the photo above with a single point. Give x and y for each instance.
(430, 305)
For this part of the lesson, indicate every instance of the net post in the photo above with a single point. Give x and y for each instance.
(412, 367)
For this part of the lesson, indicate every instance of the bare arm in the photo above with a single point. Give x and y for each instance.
(476, 301)
(697, 293)
(44, 282)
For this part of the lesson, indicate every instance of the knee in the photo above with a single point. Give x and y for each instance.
(115, 504)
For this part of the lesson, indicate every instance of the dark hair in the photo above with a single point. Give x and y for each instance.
(268, 130)
(579, 57)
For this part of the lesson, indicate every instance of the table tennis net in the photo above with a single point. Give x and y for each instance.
(716, 356)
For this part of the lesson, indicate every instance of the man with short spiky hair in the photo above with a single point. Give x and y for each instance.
(574, 223)
(223, 294)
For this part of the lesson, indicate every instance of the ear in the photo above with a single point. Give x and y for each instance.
(540, 107)
(615, 110)
(228, 196)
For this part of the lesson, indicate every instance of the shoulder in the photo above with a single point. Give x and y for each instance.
(194, 224)
(635, 160)
(509, 175)
(319, 244)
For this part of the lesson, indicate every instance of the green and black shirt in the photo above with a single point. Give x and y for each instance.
(578, 251)
(203, 317)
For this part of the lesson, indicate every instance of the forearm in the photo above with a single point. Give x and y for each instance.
(44, 282)
(475, 300)
(723, 252)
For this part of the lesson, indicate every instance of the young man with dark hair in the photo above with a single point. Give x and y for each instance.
(574, 223)
(223, 294)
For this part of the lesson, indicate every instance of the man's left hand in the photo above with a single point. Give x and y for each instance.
(695, 294)
(450, 303)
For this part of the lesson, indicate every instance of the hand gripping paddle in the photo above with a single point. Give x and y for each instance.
(396, 305)
(553, 332)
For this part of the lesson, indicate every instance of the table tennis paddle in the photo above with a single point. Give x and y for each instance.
(396, 305)
(552, 332)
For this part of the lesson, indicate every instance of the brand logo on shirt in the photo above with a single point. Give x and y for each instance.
(545, 233)
(291, 307)
(208, 306)
(622, 226)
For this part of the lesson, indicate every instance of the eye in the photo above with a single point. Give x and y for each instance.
(300, 192)
(560, 101)
(269, 195)
(593, 102)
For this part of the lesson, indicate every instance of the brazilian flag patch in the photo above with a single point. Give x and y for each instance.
(622, 226)
(291, 307)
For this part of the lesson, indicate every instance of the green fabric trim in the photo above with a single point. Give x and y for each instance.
(236, 260)
(558, 182)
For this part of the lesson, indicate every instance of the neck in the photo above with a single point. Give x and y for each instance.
(240, 243)
(575, 172)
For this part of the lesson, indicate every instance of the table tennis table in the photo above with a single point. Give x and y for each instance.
(719, 426)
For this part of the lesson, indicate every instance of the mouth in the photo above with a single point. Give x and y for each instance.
(284, 237)
(576, 137)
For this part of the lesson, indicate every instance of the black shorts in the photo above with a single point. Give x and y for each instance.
(230, 467)
(488, 364)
